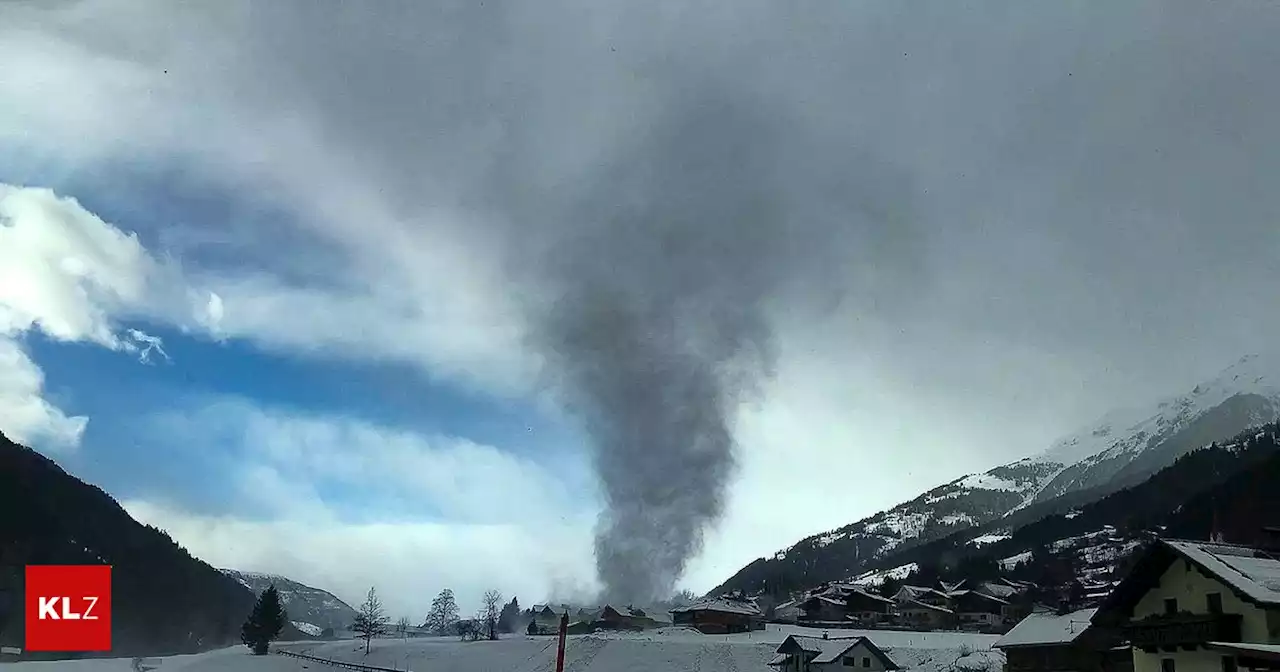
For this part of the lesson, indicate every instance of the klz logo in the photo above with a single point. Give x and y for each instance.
(68, 607)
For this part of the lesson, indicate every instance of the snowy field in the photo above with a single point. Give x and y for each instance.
(674, 649)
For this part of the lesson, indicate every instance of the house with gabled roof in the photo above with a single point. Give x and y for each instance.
(1196, 606)
(798, 653)
(978, 610)
(720, 615)
(843, 602)
(824, 609)
(546, 617)
(924, 594)
(1062, 641)
(924, 616)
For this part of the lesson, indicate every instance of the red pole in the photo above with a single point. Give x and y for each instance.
(564, 628)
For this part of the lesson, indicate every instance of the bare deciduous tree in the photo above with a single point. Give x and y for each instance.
(371, 620)
(490, 610)
(402, 627)
(443, 617)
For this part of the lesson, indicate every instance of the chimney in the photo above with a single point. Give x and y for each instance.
(1215, 532)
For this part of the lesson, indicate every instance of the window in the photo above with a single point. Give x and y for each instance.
(1166, 665)
(1229, 664)
(850, 661)
(1170, 607)
(1214, 601)
(866, 662)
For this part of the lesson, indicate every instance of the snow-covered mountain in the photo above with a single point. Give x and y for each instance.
(1121, 449)
(311, 610)
(1126, 447)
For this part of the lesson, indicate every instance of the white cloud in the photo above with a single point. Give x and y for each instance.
(408, 562)
(444, 331)
(450, 477)
(419, 288)
(64, 271)
(489, 518)
(25, 417)
(70, 276)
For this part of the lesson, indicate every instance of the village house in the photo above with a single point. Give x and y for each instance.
(921, 594)
(923, 616)
(609, 617)
(815, 654)
(1018, 603)
(1048, 641)
(719, 615)
(788, 612)
(1193, 606)
(844, 603)
(977, 610)
(824, 609)
(546, 618)
(922, 608)
(868, 608)
(1000, 589)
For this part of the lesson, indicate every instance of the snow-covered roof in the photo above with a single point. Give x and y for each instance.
(830, 650)
(722, 604)
(828, 600)
(819, 645)
(997, 589)
(831, 654)
(930, 607)
(1046, 627)
(1265, 651)
(879, 598)
(1237, 566)
(916, 591)
(978, 593)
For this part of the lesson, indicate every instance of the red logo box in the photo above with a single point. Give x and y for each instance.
(68, 608)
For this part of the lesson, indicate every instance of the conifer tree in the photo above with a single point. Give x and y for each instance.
(265, 622)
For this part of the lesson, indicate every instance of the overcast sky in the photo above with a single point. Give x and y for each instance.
(343, 220)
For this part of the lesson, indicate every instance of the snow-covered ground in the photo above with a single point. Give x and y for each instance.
(308, 628)
(675, 649)
(876, 577)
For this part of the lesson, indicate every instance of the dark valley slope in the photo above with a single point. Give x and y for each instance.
(164, 601)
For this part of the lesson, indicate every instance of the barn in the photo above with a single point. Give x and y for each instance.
(720, 615)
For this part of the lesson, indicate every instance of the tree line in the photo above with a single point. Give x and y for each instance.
(494, 617)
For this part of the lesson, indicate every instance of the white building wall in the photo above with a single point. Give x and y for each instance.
(1185, 583)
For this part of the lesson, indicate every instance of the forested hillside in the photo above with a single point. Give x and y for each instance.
(164, 601)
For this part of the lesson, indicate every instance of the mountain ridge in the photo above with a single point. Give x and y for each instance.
(312, 610)
(1120, 449)
(164, 600)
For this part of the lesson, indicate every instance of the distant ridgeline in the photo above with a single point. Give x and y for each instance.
(1122, 449)
(1227, 487)
(164, 601)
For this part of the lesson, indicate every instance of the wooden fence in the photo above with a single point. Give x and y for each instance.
(344, 664)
